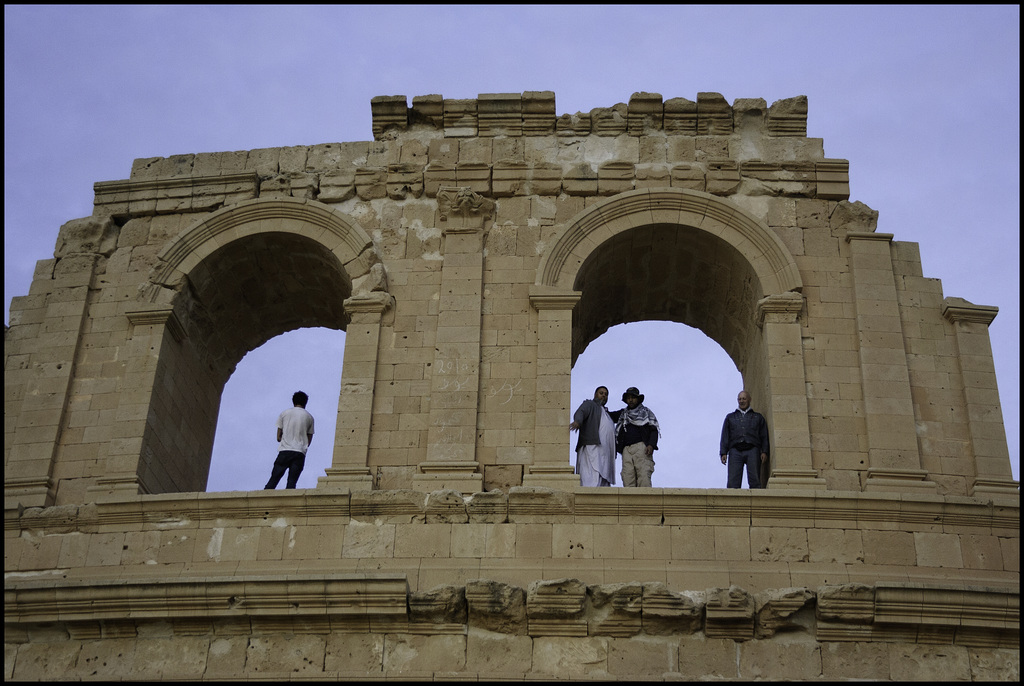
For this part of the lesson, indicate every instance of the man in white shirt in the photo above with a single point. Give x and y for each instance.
(294, 433)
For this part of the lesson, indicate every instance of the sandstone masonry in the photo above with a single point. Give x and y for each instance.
(471, 251)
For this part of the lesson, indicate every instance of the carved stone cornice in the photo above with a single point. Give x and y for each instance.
(960, 310)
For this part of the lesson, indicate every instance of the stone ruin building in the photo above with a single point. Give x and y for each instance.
(474, 246)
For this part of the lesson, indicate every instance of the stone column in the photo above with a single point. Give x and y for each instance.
(551, 466)
(349, 463)
(791, 465)
(894, 459)
(151, 330)
(455, 376)
(992, 473)
(38, 376)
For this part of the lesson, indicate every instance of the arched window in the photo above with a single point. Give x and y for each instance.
(261, 387)
(688, 381)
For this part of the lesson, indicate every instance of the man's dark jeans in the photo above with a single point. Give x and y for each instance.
(751, 458)
(291, 461)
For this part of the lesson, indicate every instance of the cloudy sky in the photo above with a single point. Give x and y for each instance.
(923, 102)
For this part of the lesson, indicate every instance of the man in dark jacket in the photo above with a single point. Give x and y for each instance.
(744, 440)
(636, 437)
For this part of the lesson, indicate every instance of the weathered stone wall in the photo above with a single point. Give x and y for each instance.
(470, 252)
(534, 583)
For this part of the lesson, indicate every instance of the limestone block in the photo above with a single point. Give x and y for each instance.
(645, 112)
(500, 114)
(938, 550)
(701, 657)
(545, 179)
(688, 176)
(496, 606)
(846, 603)
(537, 504)
(474, 175)
(714, 116)
(180, 657)
(784, 609)
(778, 544)
(404, 180)
(489, 654)
(788, 117)
(581, 179)
(388, 112)
(360, 652)
(489, 507)
(928, 662)
(615, 177)
(393, 506)
(835, 545)
(538, 113)
(556, 607)
(446, 506)
(795, 661)
(852, 216)
(609, 121)
(729, 613)
(994, 664)
(748, 116)
(406, 654)
(502, 477)
(578, 124)
(723, 177)
(441, 605)
(642, 658)
(509, 178)
(174, 166)
(371, 183)
(460, 118)
(97, 235)
(680, 117)
(666, 612)
(43, 661)
(854, 660)
(833, 177)
(615, 609)
(570, 658)
(427, 110)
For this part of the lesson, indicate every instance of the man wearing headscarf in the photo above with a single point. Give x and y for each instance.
(636, 437)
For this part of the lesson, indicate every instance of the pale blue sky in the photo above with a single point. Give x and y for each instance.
(923, 102)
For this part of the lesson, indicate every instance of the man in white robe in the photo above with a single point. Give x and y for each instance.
(595, 448)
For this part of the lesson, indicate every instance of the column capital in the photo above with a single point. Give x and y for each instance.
(787, 305)
(960, 310)
(551, 298)
(375, 302)
(158, 315)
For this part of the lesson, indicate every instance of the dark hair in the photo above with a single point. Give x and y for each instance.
(299, 398)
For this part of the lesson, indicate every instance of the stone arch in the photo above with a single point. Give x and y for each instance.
(693, 258)
(226, 285)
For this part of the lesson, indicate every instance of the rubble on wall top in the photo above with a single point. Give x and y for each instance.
(532, 113)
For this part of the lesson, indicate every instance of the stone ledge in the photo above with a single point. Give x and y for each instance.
(667, 506)
(304, 603)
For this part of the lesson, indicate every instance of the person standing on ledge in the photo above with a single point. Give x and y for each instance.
(636, 437)
(595, 448)
(744, 439)
(294, 433)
